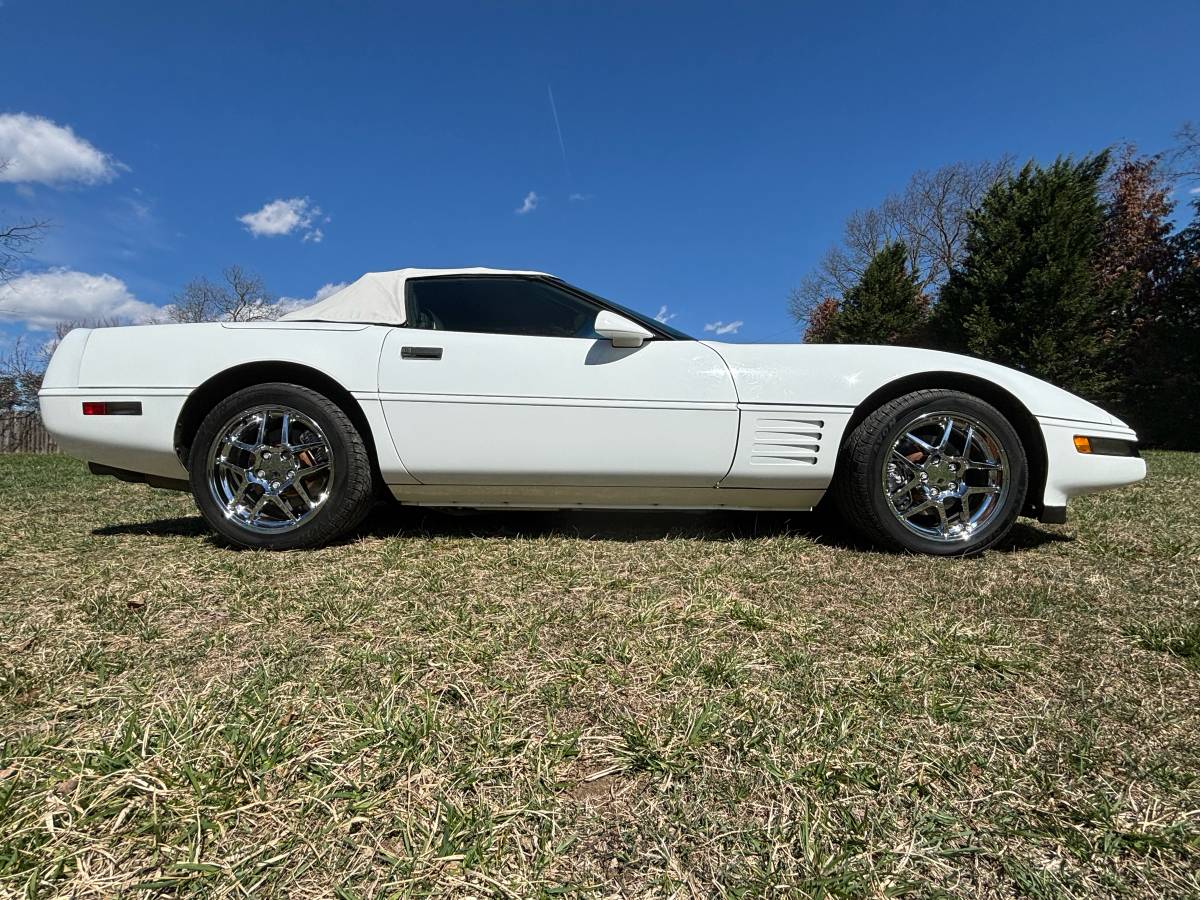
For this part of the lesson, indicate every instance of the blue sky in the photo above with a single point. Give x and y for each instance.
(713, 150)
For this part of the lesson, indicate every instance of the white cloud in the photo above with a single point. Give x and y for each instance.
(577, 197)
(725, 327)
(663, 315)
(286, 305)
(529, 204)
(42, 299)
(328, 290)
(38, 150)
(281, 217)
(1195, 190)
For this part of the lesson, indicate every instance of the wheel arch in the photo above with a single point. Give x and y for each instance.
(228, 381)
(1009, 404)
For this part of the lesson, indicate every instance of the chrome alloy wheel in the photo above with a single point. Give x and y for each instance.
(946, 476)
(270, 469)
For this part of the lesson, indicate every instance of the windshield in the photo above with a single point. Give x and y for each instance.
(641, 318)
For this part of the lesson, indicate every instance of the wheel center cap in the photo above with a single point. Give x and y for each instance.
(274, 465)
(940, 472)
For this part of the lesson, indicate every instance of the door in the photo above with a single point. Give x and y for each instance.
(501, 380)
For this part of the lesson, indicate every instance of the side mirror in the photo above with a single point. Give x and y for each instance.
(621, 331)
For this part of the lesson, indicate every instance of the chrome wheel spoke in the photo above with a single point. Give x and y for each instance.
(238, 496)
(903, 460)
(303, 492)
(311, 470)
(949, 430)
(919, 508)
(985, 466)
(927, 447)
(282, 503)
(943, 522)
(258, 507)
(982, 489)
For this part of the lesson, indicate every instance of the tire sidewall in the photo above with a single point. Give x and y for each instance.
(1018, 475)
(317, 529)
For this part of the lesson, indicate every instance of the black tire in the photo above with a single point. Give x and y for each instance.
(349, 494)
(859, 492)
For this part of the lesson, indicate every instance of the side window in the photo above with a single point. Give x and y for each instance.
(499, 306)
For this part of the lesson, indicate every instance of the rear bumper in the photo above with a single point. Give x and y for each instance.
(1070, 473)
(133, 443)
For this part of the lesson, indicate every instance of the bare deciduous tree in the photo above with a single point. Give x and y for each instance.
(930, 218)
(1136, 247)
(242, 298)
(1185, 157)
(16, 240)
(21, 371)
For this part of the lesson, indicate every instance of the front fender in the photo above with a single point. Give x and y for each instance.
(846, 375)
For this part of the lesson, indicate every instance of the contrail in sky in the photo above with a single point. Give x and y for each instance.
(561, 144)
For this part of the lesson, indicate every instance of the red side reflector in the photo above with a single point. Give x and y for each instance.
(112, 407)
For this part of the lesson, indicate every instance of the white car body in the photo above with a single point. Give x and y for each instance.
(508, 420)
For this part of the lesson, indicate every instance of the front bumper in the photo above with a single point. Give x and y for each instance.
(1070, 473)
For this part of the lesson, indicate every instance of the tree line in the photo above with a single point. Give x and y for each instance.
(1074, 271)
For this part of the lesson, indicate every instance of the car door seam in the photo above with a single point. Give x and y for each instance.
(737, 434)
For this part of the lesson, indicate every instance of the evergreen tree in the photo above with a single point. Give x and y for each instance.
(885, 306)
(1029, 293)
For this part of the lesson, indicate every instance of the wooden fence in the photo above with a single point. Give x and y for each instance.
(24, 433)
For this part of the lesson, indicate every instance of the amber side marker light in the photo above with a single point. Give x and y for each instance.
(1105, 446)
(112, 407)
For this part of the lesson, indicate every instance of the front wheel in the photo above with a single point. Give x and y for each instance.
(935, 471)
(279, 466)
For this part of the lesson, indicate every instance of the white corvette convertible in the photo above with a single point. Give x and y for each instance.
(485, 388)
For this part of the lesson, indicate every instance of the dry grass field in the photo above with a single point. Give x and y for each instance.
(534, 705)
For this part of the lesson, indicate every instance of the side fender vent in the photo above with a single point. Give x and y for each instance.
(786, 441)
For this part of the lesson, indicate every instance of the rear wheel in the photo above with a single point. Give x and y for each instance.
(279, 466)
(938, 472)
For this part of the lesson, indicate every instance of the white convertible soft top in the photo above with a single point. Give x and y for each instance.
(378, 297)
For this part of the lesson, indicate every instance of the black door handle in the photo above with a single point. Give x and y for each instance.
(420, 352)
